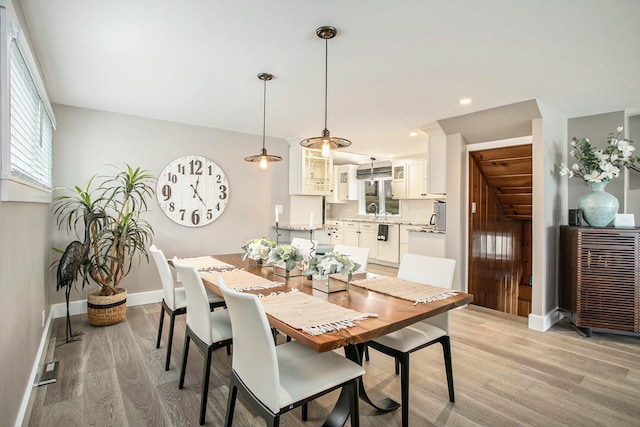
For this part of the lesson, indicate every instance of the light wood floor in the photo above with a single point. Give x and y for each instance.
(505, 375)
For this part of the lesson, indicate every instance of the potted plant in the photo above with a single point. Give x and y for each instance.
(257, 249)
(597, 167)
(287, 260)
(332, 265)
(109, 209)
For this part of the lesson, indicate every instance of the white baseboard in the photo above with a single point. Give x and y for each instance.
(542, 323)
(80, 307)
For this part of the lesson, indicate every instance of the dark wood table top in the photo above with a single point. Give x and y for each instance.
(393, 313)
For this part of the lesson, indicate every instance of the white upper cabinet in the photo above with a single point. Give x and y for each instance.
(347, 183)
(437, 169)
(417, 179)
(399, 181)
(309, 173)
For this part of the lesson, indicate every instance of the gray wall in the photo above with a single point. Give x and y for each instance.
(24, 259)
(596, 128)
(87, 142)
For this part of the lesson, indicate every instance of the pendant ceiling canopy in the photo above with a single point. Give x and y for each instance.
(264, 158)
(326, 142)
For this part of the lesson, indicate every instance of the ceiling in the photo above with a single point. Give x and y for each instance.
(394, 67)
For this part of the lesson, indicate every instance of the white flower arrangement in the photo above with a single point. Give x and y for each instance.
(600, 165)
(257, 249)
(330, 263)
(286, 255)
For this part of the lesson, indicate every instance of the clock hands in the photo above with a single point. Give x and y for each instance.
(195, 192)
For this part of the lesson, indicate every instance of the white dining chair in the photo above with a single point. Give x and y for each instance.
(400, 344)
(306, 246)
(209, 330)
(275, 379)
(174, 301)
(359, 255)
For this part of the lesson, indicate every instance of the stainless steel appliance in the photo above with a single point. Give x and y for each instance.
(439, 216)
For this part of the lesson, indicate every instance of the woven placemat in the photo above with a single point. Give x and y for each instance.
(399, 288)
(240, 280)
(309, 314)
(206, 263)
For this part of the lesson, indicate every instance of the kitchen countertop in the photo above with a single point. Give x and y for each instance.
(419, 227)
(382, 220)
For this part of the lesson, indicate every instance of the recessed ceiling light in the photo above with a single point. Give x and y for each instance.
(412, 134)
(465, 101)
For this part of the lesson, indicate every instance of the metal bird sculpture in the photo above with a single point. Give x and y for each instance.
(71, 263)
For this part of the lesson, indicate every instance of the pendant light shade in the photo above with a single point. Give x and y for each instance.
(326, 142)
(264, 158)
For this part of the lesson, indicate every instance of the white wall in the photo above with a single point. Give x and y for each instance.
(86, 142)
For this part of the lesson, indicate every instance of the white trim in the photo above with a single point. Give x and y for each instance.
(542, 323)
(80, 307)
(26, 404)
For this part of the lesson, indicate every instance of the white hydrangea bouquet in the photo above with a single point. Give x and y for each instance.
(286, 255)
(330, 263)
(600, 165)
(257, 249)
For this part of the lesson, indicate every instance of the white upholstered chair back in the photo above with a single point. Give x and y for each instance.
(166, 278)
(359, 255)
(304, 246)
(431, 271)
(198, 310)
(254, 352)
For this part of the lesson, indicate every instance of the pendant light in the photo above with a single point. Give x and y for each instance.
(326, 142)
(263, 157)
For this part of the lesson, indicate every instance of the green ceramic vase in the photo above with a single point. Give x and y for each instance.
(598, 207)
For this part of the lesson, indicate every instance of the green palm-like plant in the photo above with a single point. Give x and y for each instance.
(120, 238)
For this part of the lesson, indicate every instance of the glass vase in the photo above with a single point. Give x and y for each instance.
(598, 207)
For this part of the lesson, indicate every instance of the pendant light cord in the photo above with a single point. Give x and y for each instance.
(264, 113)
(326, 78)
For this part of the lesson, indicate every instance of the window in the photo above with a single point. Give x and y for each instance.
(376, 198)
(27, 165)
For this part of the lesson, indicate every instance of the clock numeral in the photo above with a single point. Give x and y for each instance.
(196, 167)
(223, 192)
(195, 217)
(218, 179)
(172, 177)
(182, 211)
(218, 206)
(172, 207)
(210, 167)
(209, 214)
(166, 192)
(181, 168)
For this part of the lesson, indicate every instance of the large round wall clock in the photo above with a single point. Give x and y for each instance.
(193, 191)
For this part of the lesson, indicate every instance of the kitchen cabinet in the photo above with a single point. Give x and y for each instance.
(427, 243)
(389, 250)
(399, 181)
(347, 183)
(337, 232)
(599, 278)
(437, 167)
(309, 173)
(333, 198)
(404, 239)
(416, 174)
(362, 235)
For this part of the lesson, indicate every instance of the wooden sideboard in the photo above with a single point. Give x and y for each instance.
(599, 278)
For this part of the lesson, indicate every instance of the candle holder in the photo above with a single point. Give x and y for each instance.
(277, 234)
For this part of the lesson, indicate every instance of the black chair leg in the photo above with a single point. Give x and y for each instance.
(446, 349)
(305, 411)
(354, 403)
(160, 325)
(205, 385)
(185, 355)
(172, 321)
(397, 366)
(231, 402)
(366, 352)
(404, 386)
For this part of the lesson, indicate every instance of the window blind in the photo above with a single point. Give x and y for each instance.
(31, 127)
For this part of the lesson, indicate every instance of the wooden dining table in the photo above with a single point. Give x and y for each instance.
(392, 314)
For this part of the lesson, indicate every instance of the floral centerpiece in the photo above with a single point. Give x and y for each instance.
(600, 165)
(330, 263)
(286, 255)
(257, 249)
(597, 167)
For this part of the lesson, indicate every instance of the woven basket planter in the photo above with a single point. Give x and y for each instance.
(106, 310)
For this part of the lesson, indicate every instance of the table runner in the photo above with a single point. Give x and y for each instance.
(309, 314)
(206, 263)
(240, 280)
(404, 289)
